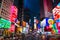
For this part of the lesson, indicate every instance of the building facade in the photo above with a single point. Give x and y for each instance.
(48, 6)
(5, 6)
(42, 15)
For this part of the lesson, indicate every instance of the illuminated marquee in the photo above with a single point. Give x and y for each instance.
(13, 15)
(56, 12)
(12, 28)
(4, 23)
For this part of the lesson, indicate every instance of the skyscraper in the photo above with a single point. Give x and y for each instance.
(48, 6)
(42, 15)
(5, 6)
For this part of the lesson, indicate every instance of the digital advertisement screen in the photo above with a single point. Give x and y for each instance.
(4, 23)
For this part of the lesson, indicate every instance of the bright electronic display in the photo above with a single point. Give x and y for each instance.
(4, 23)
(58, 4)
(47, 24)
(58, 20)
(38, 25)
(12, 28)
(13, 14)
(56, 12)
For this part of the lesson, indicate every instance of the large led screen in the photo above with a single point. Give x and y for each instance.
(4, 23)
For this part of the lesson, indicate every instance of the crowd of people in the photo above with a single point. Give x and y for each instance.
(29, 36)
(22, 36)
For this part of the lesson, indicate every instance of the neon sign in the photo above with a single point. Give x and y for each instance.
(13, 15)
(4, 23)
(56, 12)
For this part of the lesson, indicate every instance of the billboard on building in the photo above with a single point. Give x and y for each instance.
(4, 23)
(56, 12)
(13, 14)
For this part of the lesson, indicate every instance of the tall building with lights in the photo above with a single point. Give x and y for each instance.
(5, 6)
(48, 6)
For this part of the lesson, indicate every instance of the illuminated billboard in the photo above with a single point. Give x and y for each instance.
(13, 14)
(12, 28)
(4, 23)
(56, 12)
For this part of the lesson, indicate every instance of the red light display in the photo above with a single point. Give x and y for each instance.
(58, 25)
(56, 12)
(56, 17)
(12, 28)
(13, 15)
(47, 28)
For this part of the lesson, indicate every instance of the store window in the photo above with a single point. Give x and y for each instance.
(0, 2)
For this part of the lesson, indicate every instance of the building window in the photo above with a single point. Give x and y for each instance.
(0, 2)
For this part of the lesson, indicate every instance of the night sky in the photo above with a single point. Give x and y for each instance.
(32, 5)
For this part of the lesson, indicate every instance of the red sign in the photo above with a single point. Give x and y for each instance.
(56, 16)
(13, 15)
(58, 25)
(56, 12)
(12, 28)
